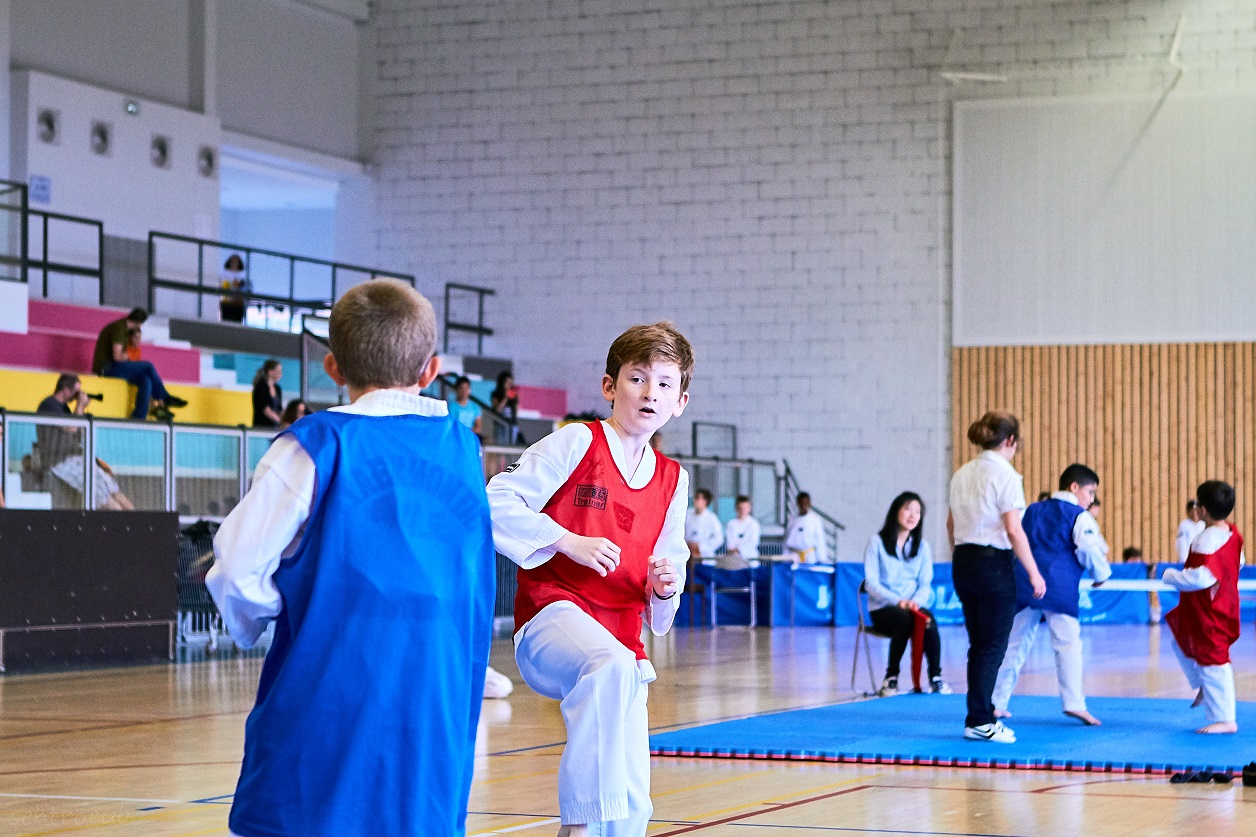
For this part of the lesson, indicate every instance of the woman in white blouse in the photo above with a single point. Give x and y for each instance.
(987, 500)
(898, 575)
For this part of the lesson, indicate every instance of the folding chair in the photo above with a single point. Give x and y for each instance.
(738, 564)
(865, 630)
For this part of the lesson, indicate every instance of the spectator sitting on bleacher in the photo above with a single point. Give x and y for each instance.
(295, 410)
(61, 448)
(134, 336)
(110, 360)
(741, 536)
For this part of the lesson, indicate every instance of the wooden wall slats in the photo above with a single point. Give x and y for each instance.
(1153, 420)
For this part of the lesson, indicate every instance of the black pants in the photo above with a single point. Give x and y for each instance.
(899, 623)
(986, 587)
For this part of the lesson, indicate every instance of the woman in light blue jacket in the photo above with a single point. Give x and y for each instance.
(898, 574)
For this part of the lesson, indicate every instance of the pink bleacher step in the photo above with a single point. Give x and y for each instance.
(547, 401)
(62, 338)
(65, 318)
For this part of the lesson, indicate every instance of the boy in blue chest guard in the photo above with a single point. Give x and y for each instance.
(366, 539)
(1066, 542)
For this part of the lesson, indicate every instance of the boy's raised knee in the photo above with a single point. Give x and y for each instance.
(617, 665)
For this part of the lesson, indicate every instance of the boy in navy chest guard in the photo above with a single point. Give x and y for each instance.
(595, 520)
(1066, 542)
(366, 539)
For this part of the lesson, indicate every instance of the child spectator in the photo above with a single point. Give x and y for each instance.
(366, 538)
(741, 536)
(804, 535)
(1188, 530)
(1206, 621)
(462, 408)
(134, 336)
(1065, 542)
(595, 520)
(703, 532)
(1131, 554)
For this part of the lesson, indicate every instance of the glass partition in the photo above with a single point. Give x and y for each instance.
(258, 442)
(45, 466)
(133, 457)
(206, 471)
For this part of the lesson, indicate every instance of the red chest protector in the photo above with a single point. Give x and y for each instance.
(597, 502)
(1206, 622)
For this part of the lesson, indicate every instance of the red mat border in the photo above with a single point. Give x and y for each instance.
(920, 761)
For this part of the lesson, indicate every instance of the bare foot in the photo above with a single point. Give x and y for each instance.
(1199, 699)
(1085, 717)
(1002, 713)
(1219, 728)
(573, 831)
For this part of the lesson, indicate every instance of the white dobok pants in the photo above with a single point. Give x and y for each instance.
(604, 772)
(1217, 683)
(1066, 642)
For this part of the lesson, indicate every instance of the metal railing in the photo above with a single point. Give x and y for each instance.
(14, 243)
(453, 324)
(70, 462)
(74, 236)
(177, 264)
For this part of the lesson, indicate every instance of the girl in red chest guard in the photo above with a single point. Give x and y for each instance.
(1206, 621)
(595, 520)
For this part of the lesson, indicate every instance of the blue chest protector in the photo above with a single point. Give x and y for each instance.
(369, 697)
(1049, 528)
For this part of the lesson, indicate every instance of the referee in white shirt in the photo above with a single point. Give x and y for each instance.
(984, 526)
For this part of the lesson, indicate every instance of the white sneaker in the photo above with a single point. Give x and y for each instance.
(939, 686)
(995, 732)
(889, 687)
(496, 684)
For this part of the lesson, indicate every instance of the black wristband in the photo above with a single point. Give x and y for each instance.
(665, 598)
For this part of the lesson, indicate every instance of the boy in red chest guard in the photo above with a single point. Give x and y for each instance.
(595, 520)
(1206, 621)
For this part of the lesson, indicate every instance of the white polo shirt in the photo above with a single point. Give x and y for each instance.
(981, 493)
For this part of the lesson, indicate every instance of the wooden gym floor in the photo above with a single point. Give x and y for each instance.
(155, 750)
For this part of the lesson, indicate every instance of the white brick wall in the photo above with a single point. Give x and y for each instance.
(773, 176)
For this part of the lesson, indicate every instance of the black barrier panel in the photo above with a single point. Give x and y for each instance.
(86, 647)
(90, 576)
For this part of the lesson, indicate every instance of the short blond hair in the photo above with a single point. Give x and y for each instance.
(382, 334)
(648, 343)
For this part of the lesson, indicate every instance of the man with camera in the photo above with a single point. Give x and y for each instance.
(61, 448)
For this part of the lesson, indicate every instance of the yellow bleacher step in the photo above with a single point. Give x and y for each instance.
(21, 390)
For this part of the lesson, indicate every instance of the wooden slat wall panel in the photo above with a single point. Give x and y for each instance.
(1153, 420)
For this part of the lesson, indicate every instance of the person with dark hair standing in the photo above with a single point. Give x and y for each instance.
(233, 305)
(1206, 621)
(1066, 543)
(505, 400)
(987, 498)
(462, 408)
(898, 575)
(268, 395)
(110, 360)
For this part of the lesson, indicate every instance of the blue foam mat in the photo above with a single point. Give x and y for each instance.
(1139, 735)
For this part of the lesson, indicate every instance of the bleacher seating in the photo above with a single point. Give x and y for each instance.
(63, 336)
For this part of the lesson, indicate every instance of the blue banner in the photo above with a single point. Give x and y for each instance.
(821, 595)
